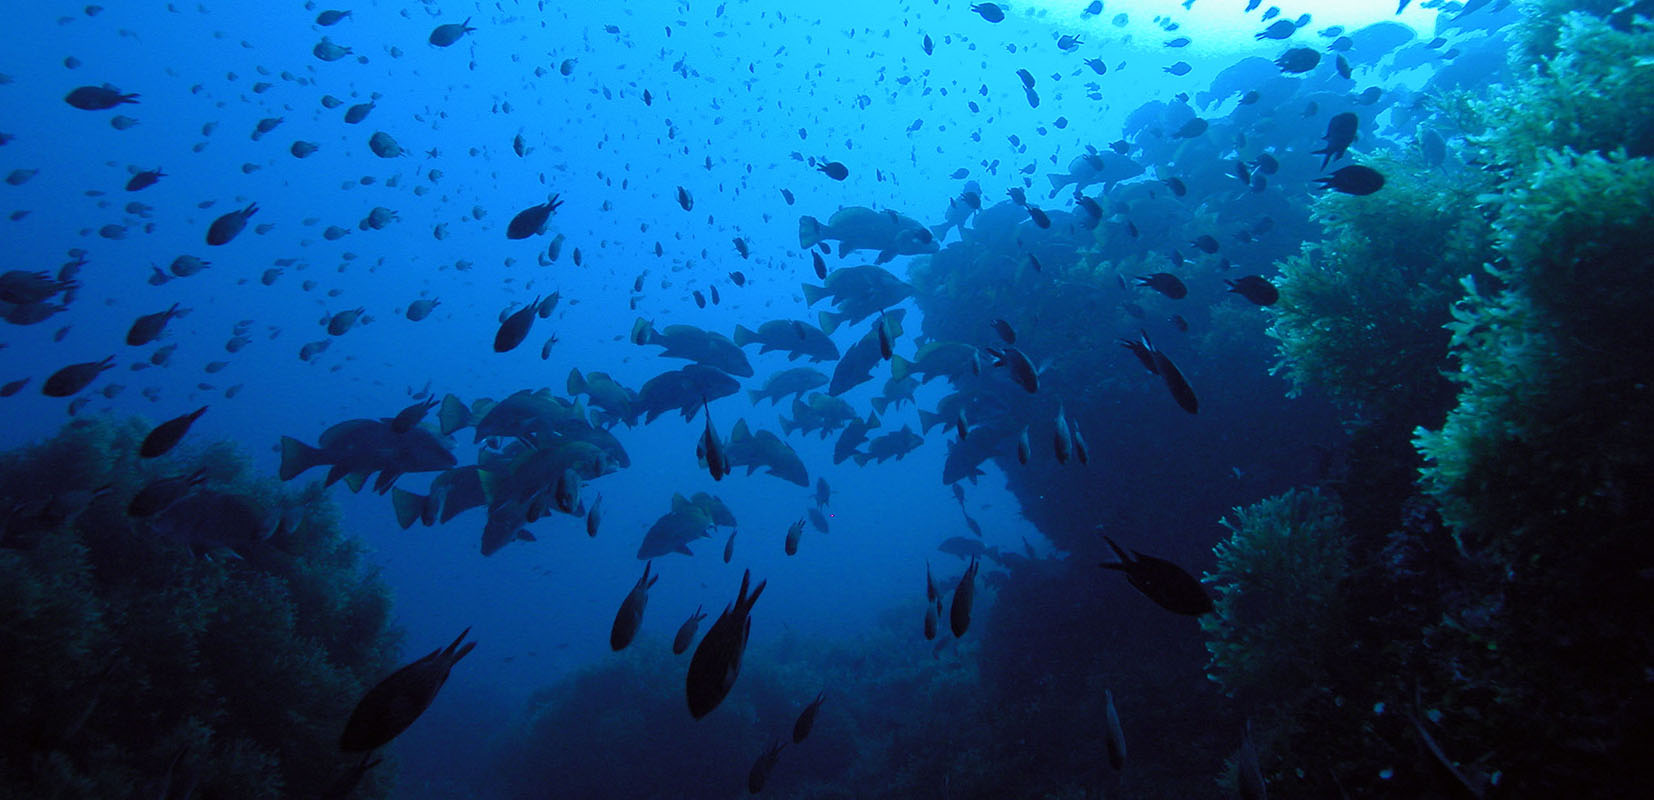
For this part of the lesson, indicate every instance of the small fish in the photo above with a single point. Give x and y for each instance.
(729, 547)
(165, 436)
(594, 516)
(761, 768)
(1062, 440)
(807, 719)
(686, 632)
(1114, 738)
(1255, 288)
(515, 328)
(834, 170)
(630, 615)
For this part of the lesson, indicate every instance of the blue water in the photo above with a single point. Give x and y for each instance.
(736, 89)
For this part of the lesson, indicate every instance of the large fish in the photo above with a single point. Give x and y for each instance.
(861, 228)
(717, 660)
(694, 344)
(795, 337)
(752, 450)
(353, 449)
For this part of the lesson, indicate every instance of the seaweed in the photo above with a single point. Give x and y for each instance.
(135, 664)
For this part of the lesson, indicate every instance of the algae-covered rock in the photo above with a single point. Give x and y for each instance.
(137, 663)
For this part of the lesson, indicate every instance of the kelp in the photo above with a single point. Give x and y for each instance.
(133, 661)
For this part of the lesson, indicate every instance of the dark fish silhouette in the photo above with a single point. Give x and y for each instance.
(395, 702)
(1340, 135)
(228, 226)
(532, 220)
(1167, 584)
(717, 660)
(1355, 180)
(686, 631)
(959, 614)
(165, 436)
(807, 719)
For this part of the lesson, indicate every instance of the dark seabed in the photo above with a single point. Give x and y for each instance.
(566, 400)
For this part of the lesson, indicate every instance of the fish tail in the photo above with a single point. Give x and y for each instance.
(744, 336)
(899, 368)
(809, 231)
(577, 382)
(812, 293)
(296, 457)
(409, 507)
(830, 321)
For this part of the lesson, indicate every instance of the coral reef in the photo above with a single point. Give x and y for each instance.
(135, 666)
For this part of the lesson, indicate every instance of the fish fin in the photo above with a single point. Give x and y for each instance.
(880, 404)
(740, 432)
(576, 382)
(809, 231)
(744, 336)
(885, 256)
(356, 480)
(453, 415)
(296, 457)
(682, 547)
(899, 367)
(812, 293)
(861, 459)
(409, 507)
(830, 321)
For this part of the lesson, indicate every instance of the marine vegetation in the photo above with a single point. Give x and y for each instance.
(1280, 601)
(1361, 312)
(143, 660)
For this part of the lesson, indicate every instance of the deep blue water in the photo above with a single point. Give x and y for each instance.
(736, 89)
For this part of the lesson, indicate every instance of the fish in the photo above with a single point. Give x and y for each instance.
(630, 615)
(1354, 179)
(1062, 440)
(891, 445)
(860, 228)
(939, 359)
(1159, 364)
(754, 449)
(823, 493)
(673, 531)
(1254, 288)
(834, 170)
(959, 614)
(857, 293)
(686, 631)
(794, 337)
(795, 382)
(729, 547)
(1021, 369)
(357, 448)
(716, 663)
(854, 434)
(1167, 584)
(159, 494)
(615, 403)
(684, 390)
(445, 35)
(1164, 283)
(692, 343)
(988, 11)
(856, 366)
(712, 449)
(396, 702)
(98, 98)
(594, 516)
(225, 228)
(514, 329)
(819, 412)
(408, 417)
(1114, 739)
(760, 773)
(1341, 133)
(1024, 452)
(807, 719)
(165, 436)
(71, 379)
(795, 531)
(532, 220)
(1093, 167)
